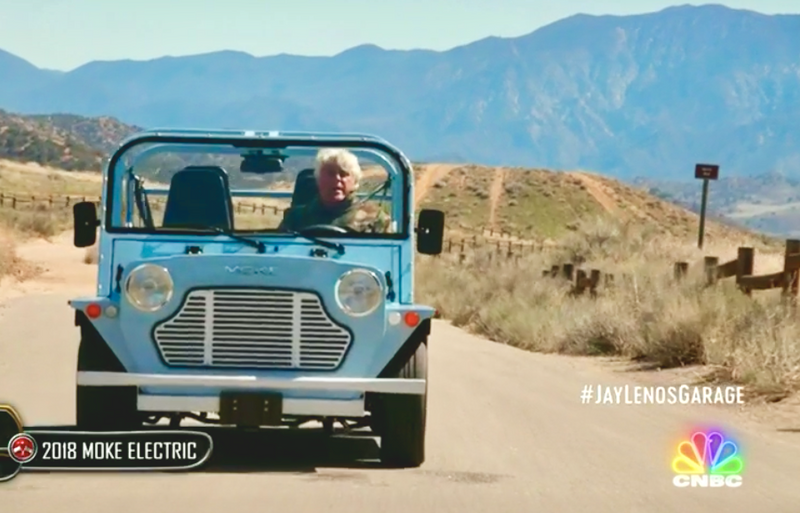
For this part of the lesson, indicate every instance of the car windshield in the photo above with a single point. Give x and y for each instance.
(214, 188)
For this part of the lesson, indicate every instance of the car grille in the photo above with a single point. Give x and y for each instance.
(254, 328)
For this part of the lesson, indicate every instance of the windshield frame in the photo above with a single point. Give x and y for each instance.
(279, 142)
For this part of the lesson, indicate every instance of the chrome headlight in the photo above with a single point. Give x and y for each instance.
(359, 292)
(149, 287)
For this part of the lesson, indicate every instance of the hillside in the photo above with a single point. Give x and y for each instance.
(644, 95)
(496, 202)
(64, 141)
(544, 205)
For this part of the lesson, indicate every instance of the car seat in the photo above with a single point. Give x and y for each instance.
(305, 188)
(199, 197)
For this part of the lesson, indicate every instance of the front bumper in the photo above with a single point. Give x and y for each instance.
(376, 385)
(209, 402)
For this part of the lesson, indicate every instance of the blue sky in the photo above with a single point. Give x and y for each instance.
(64, 34)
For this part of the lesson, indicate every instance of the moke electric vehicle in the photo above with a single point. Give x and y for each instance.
(205, 309)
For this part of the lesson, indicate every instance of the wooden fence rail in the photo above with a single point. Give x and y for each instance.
(57, 201)
(741, 268)
(505, 243)
(15, 201)
(494, 249)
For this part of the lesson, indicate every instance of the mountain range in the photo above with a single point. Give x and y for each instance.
(630, 96)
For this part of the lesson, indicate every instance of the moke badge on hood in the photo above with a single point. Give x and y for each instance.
(250, 270)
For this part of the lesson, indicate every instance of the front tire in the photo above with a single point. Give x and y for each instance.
(103, 408)
(403, 416)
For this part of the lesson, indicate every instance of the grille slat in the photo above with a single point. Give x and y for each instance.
(255, 328)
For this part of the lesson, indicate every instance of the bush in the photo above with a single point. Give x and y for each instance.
(11, 266)
(38, 221)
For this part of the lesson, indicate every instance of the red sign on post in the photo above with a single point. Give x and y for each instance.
(706, 171)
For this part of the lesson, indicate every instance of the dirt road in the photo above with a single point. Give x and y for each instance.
(507, 433)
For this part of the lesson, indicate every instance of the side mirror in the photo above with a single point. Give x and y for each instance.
(86, 223)
(430, 231)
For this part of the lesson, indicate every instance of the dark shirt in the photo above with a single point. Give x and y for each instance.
(350, 214)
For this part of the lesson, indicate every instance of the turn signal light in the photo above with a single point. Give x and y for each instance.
(411, 319)
(93, 311)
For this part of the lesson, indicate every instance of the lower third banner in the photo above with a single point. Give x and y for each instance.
(132, 450)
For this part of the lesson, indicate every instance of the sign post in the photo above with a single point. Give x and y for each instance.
(704, 172)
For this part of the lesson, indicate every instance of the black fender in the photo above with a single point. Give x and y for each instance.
(409, 347)
(94, 354)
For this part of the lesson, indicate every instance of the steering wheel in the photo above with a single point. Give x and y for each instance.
(326, 227)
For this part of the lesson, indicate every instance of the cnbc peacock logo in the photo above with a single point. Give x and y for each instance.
(708, 459)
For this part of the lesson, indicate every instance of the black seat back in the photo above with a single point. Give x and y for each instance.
(305, 188)
(199, 197)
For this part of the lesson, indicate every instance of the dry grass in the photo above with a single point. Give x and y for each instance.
(34, 179)
(8, 254)
(39, 221)
(649, 318)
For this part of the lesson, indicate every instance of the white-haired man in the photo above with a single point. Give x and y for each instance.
(337, 173)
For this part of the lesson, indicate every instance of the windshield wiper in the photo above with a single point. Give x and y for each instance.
(328, 244)
(260, 246)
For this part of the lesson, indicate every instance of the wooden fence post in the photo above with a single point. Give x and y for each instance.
(580, 281)
(680, 270)
(594, 280)
(790, 270)
(710, 264)
(744, 267)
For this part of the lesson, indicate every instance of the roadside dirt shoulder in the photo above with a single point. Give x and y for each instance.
(61, 269)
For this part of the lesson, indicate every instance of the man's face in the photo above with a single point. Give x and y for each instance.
(334, 184)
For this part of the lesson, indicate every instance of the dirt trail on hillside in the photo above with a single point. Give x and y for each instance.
(597, 190)
(431, 174)
(495, 194)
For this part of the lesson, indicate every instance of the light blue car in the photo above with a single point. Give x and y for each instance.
(206, 310)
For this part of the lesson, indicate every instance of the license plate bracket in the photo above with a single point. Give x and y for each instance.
(250, 409)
